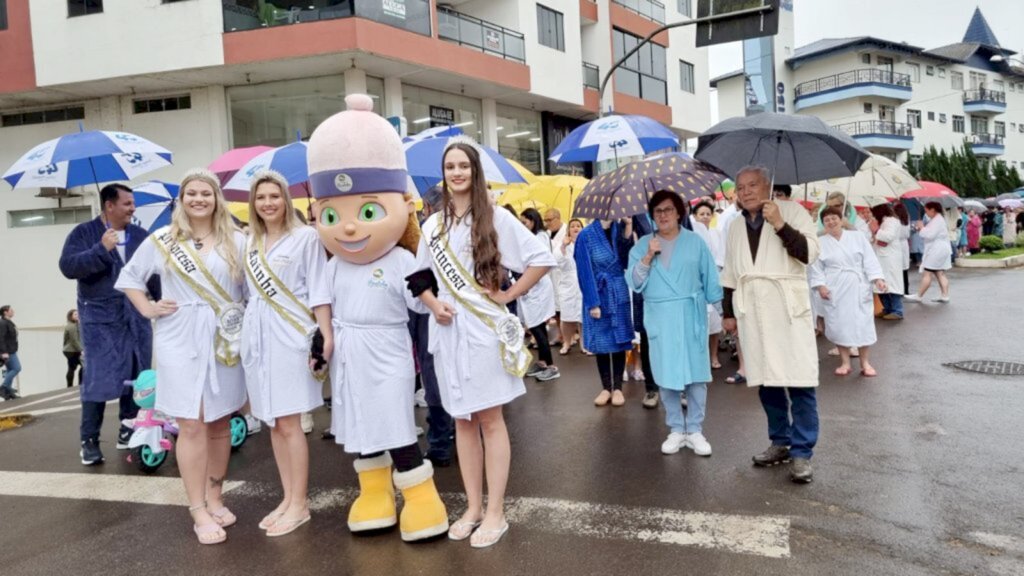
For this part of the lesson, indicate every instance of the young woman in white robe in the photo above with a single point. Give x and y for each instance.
(843, 275)
(277, 334)
(702, 214)
(570, 298)
(938, 254)
(199, 374)
(537, 306)
(474, 382)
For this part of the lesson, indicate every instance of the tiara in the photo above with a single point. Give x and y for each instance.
(463, 139)
(267, 173)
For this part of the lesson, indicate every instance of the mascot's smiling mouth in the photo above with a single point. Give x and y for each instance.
(356, 246)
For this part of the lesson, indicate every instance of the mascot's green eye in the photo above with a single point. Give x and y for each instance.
(371, 212)
(329, 217)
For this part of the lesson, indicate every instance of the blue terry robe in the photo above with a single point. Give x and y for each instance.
(600, 270)
(675, 309)
(115, 336)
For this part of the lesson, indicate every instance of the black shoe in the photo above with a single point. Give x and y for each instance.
(772, 456)
(90, 452)
(327, 435)
(124, 435)
(439, 461)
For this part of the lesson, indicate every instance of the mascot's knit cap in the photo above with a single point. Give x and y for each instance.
(356, 152)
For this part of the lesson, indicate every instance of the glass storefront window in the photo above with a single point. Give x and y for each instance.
(519, 137)
(272, 114)
(425, 108)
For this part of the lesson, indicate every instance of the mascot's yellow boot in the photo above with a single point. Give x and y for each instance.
(423, 515)
(375, 507)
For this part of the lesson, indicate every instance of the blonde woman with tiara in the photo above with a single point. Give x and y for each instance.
(288, 299)
(196, 342)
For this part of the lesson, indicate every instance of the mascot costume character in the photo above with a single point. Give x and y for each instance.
(367, 220)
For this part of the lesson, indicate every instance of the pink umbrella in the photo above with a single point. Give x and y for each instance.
(230, 162)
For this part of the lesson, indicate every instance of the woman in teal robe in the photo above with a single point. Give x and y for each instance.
(676, 273)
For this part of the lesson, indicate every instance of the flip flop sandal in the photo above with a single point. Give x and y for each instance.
(487, 538)
(210, 533)
(283, 527)
(842, 372)
(269, 520)
(736, 378)
(462, 529)
(223, 517)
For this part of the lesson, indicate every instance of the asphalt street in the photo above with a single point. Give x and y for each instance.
(917, 472)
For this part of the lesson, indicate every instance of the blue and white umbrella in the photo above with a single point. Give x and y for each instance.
(154, 202)
(423, 158)
(435, 132)
(289, 160)
(614, 137)
(87, 158)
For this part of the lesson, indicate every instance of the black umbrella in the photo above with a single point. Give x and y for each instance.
(797, 149)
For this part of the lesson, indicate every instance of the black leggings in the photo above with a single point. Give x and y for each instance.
(610, 366)
(405, 458)
(906, 282)
(540, 335)
(74, 363)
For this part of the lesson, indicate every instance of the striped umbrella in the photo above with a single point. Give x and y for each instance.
(289, 160)
(86, 157)
(614, 137)
(154, 202)
(424, 157)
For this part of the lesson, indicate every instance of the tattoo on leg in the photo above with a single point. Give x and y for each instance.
(216, 481)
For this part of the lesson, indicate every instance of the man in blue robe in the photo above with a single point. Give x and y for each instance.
(117, 340)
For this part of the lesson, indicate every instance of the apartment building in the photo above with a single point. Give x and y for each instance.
(897, 99)
(202, 76)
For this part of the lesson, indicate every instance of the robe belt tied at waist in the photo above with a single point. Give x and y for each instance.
(206, 315)
(777, 280)
(697, 303)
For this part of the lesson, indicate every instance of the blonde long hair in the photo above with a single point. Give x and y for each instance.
(257, 228)
(223, 226)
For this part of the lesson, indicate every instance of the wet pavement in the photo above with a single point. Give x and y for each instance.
(917, 472)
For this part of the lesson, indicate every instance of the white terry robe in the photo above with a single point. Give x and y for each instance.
(847, 267)
(938, 253)
(714, 244)
(538, 304)
(275, 355)
(373, 374)
(466, 353)
(890, 256)
(568, 285)
(188, 375)
(772, 304)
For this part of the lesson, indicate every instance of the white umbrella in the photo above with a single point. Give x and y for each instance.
(876, 182)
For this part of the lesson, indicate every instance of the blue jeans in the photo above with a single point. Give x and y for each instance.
(696, 404)
(800, 432)
(892, 303)
(13, 368)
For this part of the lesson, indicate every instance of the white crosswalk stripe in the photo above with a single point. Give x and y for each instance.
(766, 536)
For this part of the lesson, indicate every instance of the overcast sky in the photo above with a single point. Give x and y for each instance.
(924, 23)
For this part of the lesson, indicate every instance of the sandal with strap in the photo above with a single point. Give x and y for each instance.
(223, 517)
(736, 378)
(269, 520)
(208, 534)
(487, 538)
(283, 527)
(462, 529)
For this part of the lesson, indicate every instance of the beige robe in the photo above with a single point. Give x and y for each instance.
(772, 304)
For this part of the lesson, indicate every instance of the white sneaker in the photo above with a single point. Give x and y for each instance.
(638, 375)
(421, 398)
(420, 431)
(253, 424)
(625, 375)
(673, 443)
(912, 298)
(941, 299)
(699, 444)
(307, 422)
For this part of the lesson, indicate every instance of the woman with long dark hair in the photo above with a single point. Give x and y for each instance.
(538, 305)
(938, 254)
(901, 212)
(477, 344)
(886, 240)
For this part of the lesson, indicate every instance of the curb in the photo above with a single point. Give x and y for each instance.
(10, 421)
(1010, 262)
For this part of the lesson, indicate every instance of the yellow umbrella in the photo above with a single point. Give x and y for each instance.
(530, 177)
(240, 210)
(558, 192)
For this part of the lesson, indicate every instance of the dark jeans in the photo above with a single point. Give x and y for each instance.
(92, 415)
(540, 336)
(74, 363)
(892, 303)
(439, 423)
(645, 363)
(610, 367)
(799, 432)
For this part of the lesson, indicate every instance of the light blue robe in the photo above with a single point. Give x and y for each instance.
(675, 309)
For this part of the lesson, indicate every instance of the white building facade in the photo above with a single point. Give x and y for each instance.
(897, 100)
(200, 77)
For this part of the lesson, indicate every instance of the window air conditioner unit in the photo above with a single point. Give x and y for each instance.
(56, 193)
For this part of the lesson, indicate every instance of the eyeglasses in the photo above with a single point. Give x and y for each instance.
(665, 211)
(546, 220)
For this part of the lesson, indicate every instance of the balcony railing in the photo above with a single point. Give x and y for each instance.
(473, 32)
(591, 76)
(875, 127)
(987, 139)
(984, 94)
(650, 9)
(411, 15)
(862, 76)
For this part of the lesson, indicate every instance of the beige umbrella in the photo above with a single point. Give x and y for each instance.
(879, 180)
